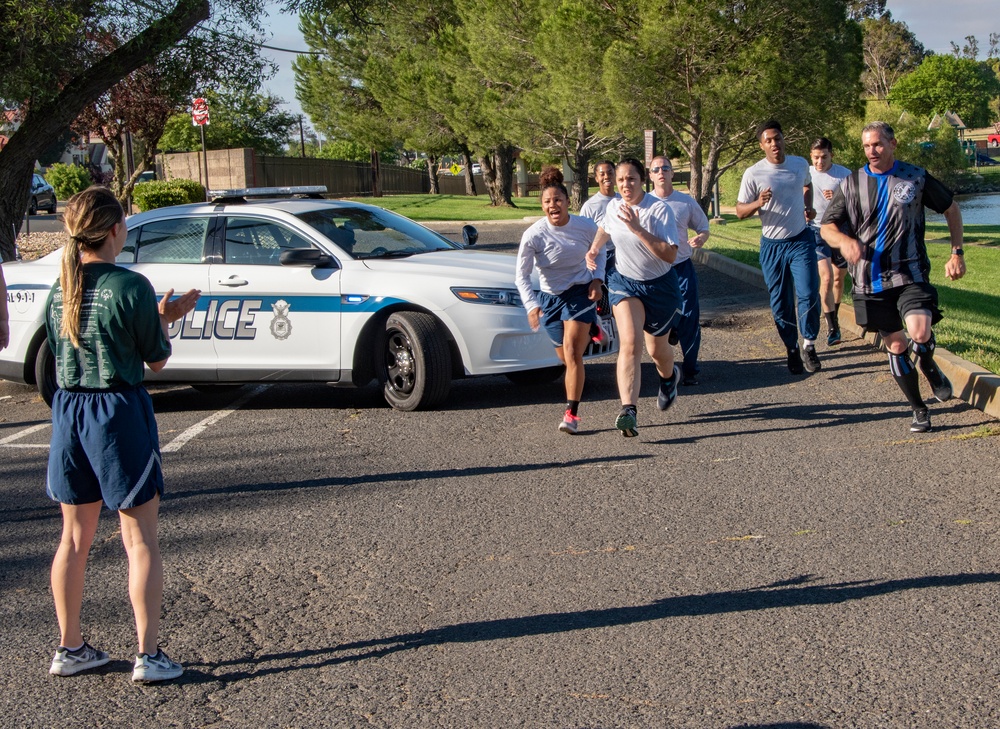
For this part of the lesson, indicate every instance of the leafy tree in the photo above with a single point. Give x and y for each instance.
(567, 114)
(890, 52)
(331, 86)
(946, 83)
(861, 9)
(238, 118)
(142, 102)
(52, 71)
(707, 72)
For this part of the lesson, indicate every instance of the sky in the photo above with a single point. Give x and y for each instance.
(933, 22)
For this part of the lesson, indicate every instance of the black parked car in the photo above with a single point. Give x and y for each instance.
(43, 196)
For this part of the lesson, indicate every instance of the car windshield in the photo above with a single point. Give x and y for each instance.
(366, 233)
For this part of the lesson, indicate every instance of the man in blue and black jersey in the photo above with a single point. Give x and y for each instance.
(876, 219)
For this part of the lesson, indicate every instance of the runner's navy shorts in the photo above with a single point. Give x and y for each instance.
(104, 447)
(660, 297)
(572, 304)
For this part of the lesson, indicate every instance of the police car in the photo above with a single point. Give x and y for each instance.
(303, 289)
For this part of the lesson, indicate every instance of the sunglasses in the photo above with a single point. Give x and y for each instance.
(665, 168)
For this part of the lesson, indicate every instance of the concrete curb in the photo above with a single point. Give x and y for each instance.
(971, 383)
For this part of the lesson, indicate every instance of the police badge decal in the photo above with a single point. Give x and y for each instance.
(281, 327)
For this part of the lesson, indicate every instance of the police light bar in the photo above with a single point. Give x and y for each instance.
(268, 191)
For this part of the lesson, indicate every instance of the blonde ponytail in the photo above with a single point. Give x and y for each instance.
(89, 217)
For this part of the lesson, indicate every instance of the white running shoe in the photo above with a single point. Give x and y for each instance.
(68, 662)
(155, 668)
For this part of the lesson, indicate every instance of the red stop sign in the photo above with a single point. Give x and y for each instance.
(199, 112)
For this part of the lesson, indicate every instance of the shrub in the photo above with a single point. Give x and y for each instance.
(68, 179)
(195, 191)
(158, 194)
(161, 193)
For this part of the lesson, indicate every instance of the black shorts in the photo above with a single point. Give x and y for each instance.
(885, 311)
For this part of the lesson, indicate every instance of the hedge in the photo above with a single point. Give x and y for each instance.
(161, 193)
(67, 180)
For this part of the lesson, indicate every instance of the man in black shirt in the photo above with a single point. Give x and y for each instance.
(876, 219)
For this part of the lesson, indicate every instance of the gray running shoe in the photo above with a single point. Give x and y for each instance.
(921, 421)
(626, 422)
(68, 662)
(155, 668)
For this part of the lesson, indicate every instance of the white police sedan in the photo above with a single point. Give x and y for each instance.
(307, 290)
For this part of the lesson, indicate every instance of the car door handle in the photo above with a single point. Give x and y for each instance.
(233, 281)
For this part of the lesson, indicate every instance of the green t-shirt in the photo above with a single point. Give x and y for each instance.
(119, 330)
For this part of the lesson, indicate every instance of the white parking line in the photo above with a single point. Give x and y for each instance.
(8, 442)
(177, 443)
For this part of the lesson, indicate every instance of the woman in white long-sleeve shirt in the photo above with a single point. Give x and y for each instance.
(567, 304)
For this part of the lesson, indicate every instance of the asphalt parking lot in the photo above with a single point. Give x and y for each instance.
(775, 551)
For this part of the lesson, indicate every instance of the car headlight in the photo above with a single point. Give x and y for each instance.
(501, 297)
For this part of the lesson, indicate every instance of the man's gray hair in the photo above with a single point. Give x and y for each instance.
(881, 127)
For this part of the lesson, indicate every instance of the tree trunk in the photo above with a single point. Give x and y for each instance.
(432, 174)
(470, 181)
(498, 173)
(44, 123)
(580, 164)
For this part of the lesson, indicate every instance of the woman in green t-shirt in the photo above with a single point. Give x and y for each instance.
(103, 322)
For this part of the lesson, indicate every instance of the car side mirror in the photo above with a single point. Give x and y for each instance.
(306, 257)
(469, 235)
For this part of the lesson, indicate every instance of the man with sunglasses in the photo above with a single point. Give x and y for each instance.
(689, 216)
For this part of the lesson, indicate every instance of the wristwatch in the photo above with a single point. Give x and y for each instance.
(957, 252)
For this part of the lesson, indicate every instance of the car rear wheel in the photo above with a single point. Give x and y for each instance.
(542, 376)
(414, 361)
(45, 373)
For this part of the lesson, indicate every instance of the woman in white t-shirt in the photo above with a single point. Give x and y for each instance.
(642, 289)
(566, 306)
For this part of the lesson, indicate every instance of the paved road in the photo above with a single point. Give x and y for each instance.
(776, 551)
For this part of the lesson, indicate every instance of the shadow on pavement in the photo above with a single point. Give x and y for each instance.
(787, 593)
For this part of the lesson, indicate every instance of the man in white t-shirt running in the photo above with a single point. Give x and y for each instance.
(826, 178)
(688, 215)
(779, 189)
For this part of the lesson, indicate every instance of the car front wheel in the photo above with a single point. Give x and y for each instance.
(45, 373)
(33, 206)
(414, 361)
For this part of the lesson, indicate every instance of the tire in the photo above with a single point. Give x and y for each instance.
(33, 206)
(994, 143)
(414, 361)
(45, 373)
(55, 206)
(543, 376)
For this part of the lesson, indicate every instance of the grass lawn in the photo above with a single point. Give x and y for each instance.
(971, 327)
(423, 208)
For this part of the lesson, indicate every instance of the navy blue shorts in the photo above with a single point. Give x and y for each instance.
(825, 250)
(660, 297)
(104, 446)
(572, 304)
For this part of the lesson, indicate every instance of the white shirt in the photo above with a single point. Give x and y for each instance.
(688, 215)
(560, 253)
(632, 257)
(829, 180)
(784, 216)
